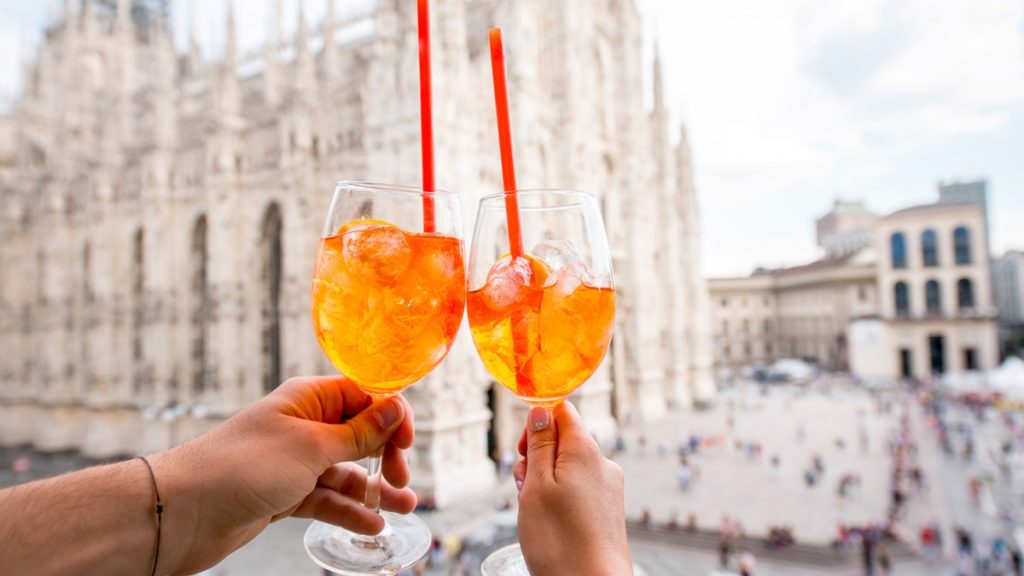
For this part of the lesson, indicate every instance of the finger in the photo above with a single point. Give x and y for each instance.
(322, 398)
(364, 433)
(522, 443)
(395, 466)
(573, 437)
(405, 434)
(350, 481)
(541, 444)
(519, 473)
(329, 506)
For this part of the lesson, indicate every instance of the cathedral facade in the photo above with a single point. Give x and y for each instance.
(160, 214)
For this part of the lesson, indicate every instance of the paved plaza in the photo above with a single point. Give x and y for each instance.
(791, 425)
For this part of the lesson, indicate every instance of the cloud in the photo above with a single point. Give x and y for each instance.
(794, 102)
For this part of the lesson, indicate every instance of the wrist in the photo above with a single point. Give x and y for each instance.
(177, 482)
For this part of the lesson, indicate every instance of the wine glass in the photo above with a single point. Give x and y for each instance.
(387, 304)
(541, 320)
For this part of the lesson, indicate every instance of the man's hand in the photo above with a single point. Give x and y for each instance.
(276, 459)
(572, 517)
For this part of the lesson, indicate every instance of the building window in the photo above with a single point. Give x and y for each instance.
(930, 248)
(970, 359)
(767, 326)
(746, 326)
(902, 295)
(768, 349)
(725, 326)
(862, 294)
(725, 351)
(746, 350)
(271, 238)
(725, 302)
(898, 244)
(200, 304)
(933, 297)
(962, 245)
(965, 293)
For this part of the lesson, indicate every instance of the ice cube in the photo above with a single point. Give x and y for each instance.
(574, 274)
(556, 253)
(507, 283)
(379, 253)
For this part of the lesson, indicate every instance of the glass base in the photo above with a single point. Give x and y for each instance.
(507, 561)
(404, 542)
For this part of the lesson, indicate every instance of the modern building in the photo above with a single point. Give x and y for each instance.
(1008, 289)
(915, 303)
(160, 214)
(968, 192)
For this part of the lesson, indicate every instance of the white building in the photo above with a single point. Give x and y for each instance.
(935, 295)
(915, 303)
(160, 215)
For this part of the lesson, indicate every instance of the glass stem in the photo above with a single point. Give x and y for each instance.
(373, 477)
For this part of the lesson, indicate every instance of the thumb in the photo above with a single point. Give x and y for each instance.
(366, 432)
(541, 444)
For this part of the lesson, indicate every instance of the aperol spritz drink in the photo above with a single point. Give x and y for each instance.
(541, 332)
(542, 321)
(387, 303)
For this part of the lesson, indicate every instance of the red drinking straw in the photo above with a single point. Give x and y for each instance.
(524, 386)
(426, 117)
(508, 161)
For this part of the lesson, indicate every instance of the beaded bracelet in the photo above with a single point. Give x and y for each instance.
(159, 512)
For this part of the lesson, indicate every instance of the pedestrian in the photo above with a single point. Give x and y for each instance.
(724, 542)
(685, 477)
(747, 563)
(868, 552)
(884, 561)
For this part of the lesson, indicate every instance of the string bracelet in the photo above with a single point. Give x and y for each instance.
(159, 512)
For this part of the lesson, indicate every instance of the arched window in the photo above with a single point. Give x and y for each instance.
(933, 297)
(200, 307)
(962, 245)
(929, 248)
(902, 297)
(271, 276)
(138, 309)
(87, 294)
(964, 293)
(898, 244)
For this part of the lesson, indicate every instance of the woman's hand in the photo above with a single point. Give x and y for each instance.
(572, 516)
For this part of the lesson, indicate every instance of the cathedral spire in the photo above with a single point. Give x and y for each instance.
(303, 61)
(88, 19)
(231, 49)
(659, 86)
(124, 16)
(329, 47)
(192, 60)
(271, 55)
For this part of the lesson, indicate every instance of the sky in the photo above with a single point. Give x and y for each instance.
(789, 105)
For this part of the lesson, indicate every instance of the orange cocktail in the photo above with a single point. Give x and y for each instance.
(387, 303)
(541, 333)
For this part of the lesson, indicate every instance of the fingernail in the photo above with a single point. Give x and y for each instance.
(386, 414)
(519, 485)
(539, 419)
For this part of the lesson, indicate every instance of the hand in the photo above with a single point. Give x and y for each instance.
(572, 517)
(278, 458)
